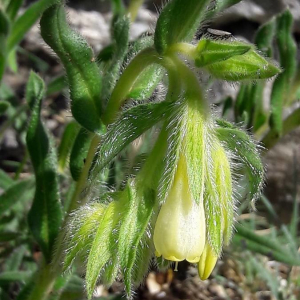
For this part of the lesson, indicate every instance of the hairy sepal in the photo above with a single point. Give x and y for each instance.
(211, 51)
(245, 151)
(249, 66)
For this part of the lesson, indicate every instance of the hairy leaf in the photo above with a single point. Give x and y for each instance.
(79, 152)
(66, 145)
(44, 217)
(83, 74)
(26, 20)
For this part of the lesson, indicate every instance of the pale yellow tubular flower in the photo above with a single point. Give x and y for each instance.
(180, 230)
(207, 262)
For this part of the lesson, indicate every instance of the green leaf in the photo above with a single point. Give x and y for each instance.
(4, 105)
(44, 217)
(129, 126)
(5, 180)
(14, 276)
(244, 149)
(17, 191)
(13, 8)
(14, 261)
(7, 236)
(4, 25)
(134, 223)
(146, 83)
(289, 124)
(56, 85)
(81, 230)
(264, 37)
(79, 152)
(249, 66)
(178, 22)
(83, 74)
(282, 85)
(212, 51)
(26, 20)
(220, 6)
(66, 145)
(101, 251)
(120, 35)
(266, 246)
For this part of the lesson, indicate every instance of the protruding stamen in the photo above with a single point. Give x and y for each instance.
(176, 267)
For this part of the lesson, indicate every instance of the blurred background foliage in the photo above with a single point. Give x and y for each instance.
(263, 260)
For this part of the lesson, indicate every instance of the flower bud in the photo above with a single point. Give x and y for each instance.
(207, 262)
(180, 230)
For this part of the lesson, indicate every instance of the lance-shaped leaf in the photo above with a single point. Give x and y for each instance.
(83, 74)
(5, 180)
(4, 105)
(244, 149)
(211, 51)
(264, 245)
(178, 22)
(220, 5)
(249, 104)
(80, 231)
(18, 191)
(250, 65)
(130, 125)
(45, 214)
(101, 250)
(26, 20)
(79, 152)
(120, 35)
(148, 80)
(66, 145)
(137, 211)
(264, 37)
(13, 8)
(287, 50)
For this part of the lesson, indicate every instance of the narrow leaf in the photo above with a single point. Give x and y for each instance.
(17, 191)
(13, 8)
(130, 125)
(178, 22)
(26, 20)
(100, 251)
(56, 85)
(66, 145)
(5, 180)
(45, 214)
(13, 276)
(79, 152)
(120, 35)
(281, 87)
(83, 74)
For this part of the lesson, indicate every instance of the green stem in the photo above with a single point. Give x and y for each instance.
(126, 82)
(193, 90)
(48, 273)
(188, 50)
(289, 124)
(79, 198)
